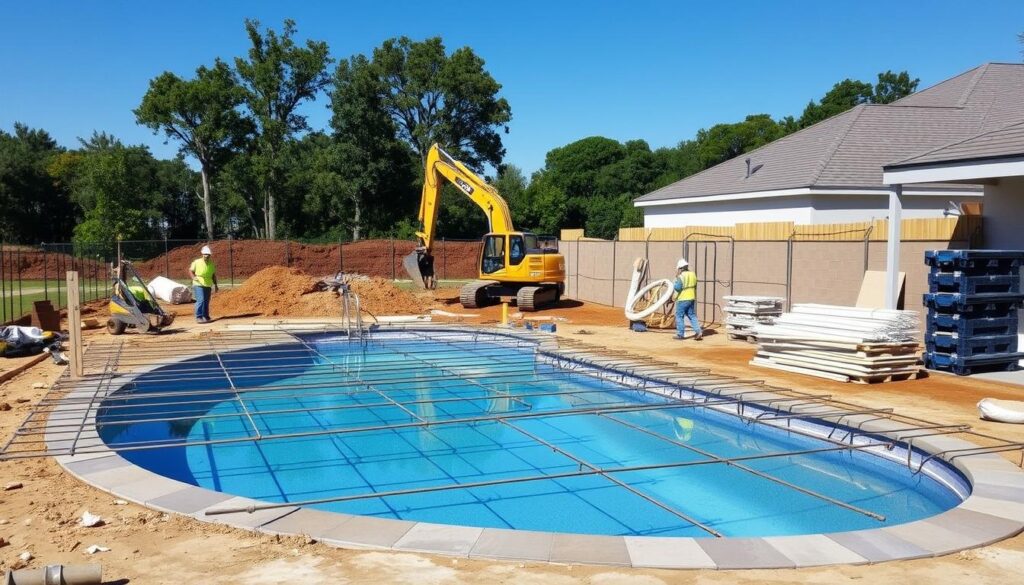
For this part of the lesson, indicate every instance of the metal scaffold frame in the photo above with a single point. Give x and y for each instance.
(254, 369)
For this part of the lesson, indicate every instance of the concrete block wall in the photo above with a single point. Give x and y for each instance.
(827, 272)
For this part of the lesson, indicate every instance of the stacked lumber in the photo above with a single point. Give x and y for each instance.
(742, 313)
(846, 344)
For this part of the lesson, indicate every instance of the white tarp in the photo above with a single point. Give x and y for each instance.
(169, 291)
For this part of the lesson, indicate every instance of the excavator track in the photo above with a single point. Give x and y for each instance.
(531, 298)
(473, 295)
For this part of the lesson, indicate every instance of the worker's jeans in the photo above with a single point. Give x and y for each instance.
(202, 294)
(686, 309)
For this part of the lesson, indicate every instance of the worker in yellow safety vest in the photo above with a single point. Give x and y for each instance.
(686, 295)
(204, 281)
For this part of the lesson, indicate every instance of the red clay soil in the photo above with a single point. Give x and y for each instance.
(37, 265)
(280, 291)
(573, 312)
(380, 258)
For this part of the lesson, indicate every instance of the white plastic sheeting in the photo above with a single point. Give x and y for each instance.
(169, 291)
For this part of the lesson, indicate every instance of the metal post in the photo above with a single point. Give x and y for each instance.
(444, 259)
(46, 284)
(341, 253)
(75, 325)
(167, 259)
(614, 275)
(231, 261)
(57, 266)
(21, 307)
(892, 249)
(789, 272)
(393, 275)
(3, 284)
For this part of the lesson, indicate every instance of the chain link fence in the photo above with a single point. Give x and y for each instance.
(37, 273)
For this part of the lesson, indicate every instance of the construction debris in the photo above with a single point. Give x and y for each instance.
(742, 313)
(845, 344)
(90, 520)
(95, 548)
(17, 485)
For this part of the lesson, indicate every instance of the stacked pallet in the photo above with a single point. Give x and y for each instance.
(972, 305)
(846, 344)
(742, 313)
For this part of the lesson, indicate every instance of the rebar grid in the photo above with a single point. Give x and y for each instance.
(72, 407)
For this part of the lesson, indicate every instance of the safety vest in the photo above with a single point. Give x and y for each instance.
(204, 272)
(689, 281)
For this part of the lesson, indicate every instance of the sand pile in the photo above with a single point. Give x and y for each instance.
(279, 291)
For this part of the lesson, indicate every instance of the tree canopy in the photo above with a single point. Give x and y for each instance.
(202, 116)
(262, 171)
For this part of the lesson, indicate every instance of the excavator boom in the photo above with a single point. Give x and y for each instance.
(441, 167)
(512, 265)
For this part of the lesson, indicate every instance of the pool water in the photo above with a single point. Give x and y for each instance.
(350, 419)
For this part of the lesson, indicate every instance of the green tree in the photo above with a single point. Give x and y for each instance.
(201, 115)
(511, 183)
(849, 93)
(33, 207)
(542, 206)
(843, 96)
(722, 142)
(277, 77)
(117, 188)
(893, 86)
(371, 172)
(448, 99)
(179, 208)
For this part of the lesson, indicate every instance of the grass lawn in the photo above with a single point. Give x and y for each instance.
(16, 301)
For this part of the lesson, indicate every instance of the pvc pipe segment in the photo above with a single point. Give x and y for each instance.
(57, 575)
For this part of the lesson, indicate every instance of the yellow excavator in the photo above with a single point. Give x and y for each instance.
(512, 264)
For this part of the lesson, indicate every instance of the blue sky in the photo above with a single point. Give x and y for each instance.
(652, 70)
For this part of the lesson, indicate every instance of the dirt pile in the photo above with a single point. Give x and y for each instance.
(290, 292)
(381, 258)
(38, 265)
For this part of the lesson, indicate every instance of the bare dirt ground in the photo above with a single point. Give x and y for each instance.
(150, 547)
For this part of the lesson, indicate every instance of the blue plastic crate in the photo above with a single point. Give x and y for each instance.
(968, 284)
(976, 304)
(966, 325)
(963, 366)
(967, 346)
(975, 261)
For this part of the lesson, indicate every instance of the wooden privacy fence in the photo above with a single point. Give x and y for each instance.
(963, 228)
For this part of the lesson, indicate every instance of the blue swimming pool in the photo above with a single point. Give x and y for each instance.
(486, 431)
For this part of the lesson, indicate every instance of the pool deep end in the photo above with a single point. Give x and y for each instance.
(531, 418)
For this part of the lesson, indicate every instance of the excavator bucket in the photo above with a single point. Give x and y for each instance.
(420, 267)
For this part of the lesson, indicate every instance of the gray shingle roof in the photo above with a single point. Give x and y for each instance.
(849, 150)
(1005, 142)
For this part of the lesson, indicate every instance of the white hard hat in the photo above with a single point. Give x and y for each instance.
(206, 251)
(682, 263)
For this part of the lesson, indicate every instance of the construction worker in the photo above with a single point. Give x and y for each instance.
(204, 280)
(685, 286)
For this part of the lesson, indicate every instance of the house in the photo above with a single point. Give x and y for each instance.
(832, 172)
(994, 159)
